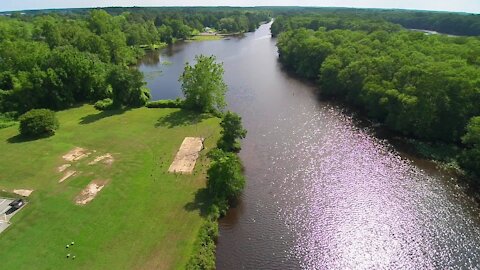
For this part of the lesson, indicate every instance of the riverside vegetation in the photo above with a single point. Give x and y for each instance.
(204, 91)
(60, 62)
(423, 86)
(56, 60)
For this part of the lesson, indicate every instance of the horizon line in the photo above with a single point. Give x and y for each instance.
(213, 6)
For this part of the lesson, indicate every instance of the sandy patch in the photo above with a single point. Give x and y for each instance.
(89, 192)
(76, 154)
(67, 175)
(106, 159)
(23, 192)
(187, 155)
(63, 167)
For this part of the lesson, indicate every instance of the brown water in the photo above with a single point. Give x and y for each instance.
(323, 191)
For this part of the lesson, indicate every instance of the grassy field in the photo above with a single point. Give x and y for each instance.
(205, 37)
(144, 218)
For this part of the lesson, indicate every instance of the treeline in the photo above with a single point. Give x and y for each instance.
(462, 24)
(56, 59)
(422, 86)
(331, 21)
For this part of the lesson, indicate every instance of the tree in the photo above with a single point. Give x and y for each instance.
(100, 21)
(38, 122)
(127, 87)
(203, 85)
(225, 177)
(232, 131)
(470, 159)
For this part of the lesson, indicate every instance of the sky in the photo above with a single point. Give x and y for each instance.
(472, 6)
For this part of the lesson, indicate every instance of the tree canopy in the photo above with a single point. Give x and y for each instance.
(203, 85)
(420, 85)
(55, 59)
(232, 132)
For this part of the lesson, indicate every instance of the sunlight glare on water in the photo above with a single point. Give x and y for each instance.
(323, 192)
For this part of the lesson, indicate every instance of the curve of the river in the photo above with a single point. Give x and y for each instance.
(323, 191)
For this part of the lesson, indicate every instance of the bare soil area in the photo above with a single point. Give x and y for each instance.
(90, 192)
(76, 154)
(67, 175)
(106, 159)
(23, 192)
(186, 156)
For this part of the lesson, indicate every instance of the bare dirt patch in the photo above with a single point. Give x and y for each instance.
(76, 154)
(106, 159)
(90, 191)
(67, 175)
(63, 167)
(187, 155)
(23, 192)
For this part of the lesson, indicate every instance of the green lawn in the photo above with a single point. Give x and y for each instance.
(205, 37)
(144, 218)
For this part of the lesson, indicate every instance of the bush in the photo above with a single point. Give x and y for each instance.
(139, 97)
(104, 104)
(165, 103)
(38, 122)
(203, 257)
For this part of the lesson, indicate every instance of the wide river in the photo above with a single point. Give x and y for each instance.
(324, 191)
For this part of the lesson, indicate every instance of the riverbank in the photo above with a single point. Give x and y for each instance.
(139, 193)
(317, 181)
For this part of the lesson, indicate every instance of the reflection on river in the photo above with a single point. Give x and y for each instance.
(323, 191)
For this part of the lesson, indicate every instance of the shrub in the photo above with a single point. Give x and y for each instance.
(203, 257)
(104, 104)
(139, 97)
(38, 122)
(165, 103)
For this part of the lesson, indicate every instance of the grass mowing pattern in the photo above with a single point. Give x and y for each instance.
(145, 218)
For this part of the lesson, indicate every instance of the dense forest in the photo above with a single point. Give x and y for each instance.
(57, 59)
(425, 86)
(462, 24)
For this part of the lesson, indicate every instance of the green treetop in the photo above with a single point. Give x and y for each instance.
(203, 85)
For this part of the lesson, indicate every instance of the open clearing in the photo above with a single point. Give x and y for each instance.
(186, 156)
(144, 218)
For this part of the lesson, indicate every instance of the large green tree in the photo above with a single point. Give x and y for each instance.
(203, 85)
(127, 87)
(225, 177)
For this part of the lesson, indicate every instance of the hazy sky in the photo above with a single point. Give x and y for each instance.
(472, 6)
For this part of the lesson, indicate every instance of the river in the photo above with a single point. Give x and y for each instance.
(324, 191)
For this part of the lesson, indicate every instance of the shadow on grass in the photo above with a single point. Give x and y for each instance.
(19, 138)
(99, 116)
(181, 118)
(201, 202)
